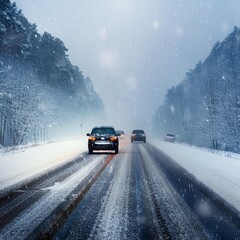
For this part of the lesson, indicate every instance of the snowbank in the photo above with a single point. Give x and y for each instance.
(218, 170)
(23, 163)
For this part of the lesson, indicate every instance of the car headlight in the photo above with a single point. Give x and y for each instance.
(92, 138)
(113, 138)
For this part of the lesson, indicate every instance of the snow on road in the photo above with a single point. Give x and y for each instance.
(113, 217)
(18, 165)
(174, 211)
(220, 171)
(32, 217)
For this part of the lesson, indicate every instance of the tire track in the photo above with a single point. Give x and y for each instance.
(22, 226)
(172, 216)
(218, 218)
(17, 200)
(112, 221)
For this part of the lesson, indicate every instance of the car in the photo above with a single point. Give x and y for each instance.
(169, 137)
(103, 138)
(138, 135)
(121, 133)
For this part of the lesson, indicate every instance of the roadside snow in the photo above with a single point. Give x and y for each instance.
(23, 225)
(220, 171)
(18, 165)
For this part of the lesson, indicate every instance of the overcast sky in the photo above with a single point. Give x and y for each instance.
(134, 50)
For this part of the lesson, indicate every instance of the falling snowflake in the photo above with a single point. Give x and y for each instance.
(102, 34)
(155, 24)
(108, 59)
(179, 31)
(172, 109)
(132, 82)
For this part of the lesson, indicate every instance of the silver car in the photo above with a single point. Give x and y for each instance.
(170, 138)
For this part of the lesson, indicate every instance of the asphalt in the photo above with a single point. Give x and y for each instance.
(139, 193)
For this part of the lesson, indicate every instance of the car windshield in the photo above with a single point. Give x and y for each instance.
(103, 131)
(138, 132)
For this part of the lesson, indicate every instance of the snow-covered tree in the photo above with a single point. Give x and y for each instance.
(205, 108)
(42, 95)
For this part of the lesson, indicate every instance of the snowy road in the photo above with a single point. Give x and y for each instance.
(139, 193)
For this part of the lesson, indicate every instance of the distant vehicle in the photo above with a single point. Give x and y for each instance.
(138, 135)
(103, 138)
(170, 138)
(120, 133)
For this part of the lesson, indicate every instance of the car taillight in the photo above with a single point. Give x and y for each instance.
(113, 138)
(92, 138)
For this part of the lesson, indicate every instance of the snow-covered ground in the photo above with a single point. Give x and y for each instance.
(220, 171)
(25, 162)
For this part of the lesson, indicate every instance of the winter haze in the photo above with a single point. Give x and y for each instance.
(134, 50)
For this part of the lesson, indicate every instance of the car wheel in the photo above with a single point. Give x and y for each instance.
(116, 150)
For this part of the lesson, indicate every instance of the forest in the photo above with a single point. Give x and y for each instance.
(42, 95)
(204, 109)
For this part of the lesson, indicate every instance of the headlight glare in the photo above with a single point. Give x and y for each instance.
(113, 138)
(92, 138)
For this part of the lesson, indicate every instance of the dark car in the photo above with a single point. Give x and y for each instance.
(170, 138)
(102, 138)
(138, 135)
(120, 133)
